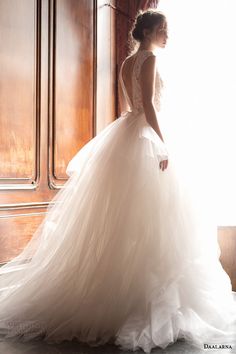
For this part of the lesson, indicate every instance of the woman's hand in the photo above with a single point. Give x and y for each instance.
(163, 164)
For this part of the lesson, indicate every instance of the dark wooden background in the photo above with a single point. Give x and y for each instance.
(51, 76)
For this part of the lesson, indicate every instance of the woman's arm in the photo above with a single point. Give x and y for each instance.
(147, 83)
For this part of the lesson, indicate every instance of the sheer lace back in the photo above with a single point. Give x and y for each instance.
(135, 102)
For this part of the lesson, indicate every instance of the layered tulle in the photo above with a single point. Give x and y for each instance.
(124, 254)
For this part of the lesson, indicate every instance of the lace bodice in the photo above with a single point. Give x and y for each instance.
(141, 56)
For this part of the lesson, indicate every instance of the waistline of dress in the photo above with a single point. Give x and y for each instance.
(133, 113)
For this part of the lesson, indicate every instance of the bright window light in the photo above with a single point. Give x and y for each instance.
(198, 115)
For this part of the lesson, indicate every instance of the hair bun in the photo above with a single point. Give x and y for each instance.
(146, 20)
(137, 34)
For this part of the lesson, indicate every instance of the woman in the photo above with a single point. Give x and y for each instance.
(122, 256)
(151, 32)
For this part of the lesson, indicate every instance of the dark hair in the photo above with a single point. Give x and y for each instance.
(146, 20)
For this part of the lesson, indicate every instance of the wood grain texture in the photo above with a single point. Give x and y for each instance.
(47, 106)
(18, 89)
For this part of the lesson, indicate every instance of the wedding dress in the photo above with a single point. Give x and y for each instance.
(123, 254)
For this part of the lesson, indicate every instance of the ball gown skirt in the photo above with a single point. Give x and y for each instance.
(124, 254)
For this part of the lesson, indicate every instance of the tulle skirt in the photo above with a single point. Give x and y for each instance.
(124, 254)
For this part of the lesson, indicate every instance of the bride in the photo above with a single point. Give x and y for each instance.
(123, 255)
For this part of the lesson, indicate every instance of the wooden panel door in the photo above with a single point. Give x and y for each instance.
(47, 106)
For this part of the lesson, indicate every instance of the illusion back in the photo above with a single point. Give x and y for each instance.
(135, 102)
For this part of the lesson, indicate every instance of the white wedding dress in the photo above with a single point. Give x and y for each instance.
(123, 255)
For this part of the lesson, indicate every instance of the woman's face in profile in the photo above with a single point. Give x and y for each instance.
(159, 35)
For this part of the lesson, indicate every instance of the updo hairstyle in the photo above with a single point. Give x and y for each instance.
(145, 20)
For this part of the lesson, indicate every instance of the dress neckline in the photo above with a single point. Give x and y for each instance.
(144, 50)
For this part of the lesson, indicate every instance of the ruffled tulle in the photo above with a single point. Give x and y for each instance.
(123, 255)
(134, 129)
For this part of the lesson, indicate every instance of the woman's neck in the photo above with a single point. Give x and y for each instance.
(146, 46)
